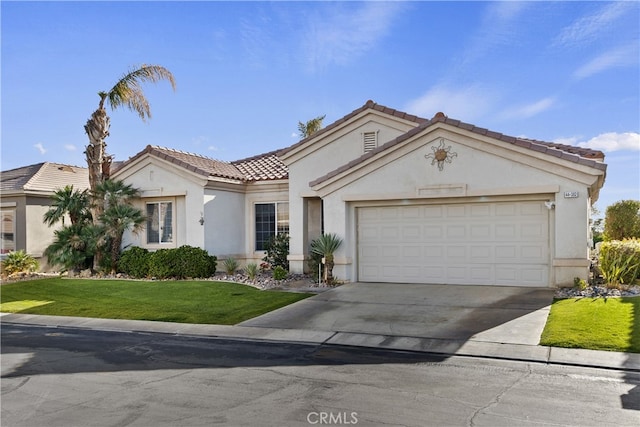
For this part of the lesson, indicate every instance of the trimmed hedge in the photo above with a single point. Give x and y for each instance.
(620, 261)
(134, 262)
(180, 263)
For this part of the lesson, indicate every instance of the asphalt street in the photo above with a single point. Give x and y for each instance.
(78, 377)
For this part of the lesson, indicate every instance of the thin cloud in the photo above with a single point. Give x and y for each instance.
(340, 37)
(498, 27)
(589, 28)
(70, 147)
(610, 141)
(464, 103)
(529, 110)
(620, 57)
(40, 148)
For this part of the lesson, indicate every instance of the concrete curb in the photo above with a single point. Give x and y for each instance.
(471, 348)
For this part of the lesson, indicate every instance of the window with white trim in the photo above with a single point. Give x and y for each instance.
(271, 219)
(370, 141)
(8, 231)
(159, 222)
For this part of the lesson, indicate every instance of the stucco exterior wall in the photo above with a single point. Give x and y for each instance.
(476, 171)
(224, 223)
(327, 153)
(158, 183)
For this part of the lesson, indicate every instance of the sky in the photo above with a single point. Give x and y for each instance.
(248, 72)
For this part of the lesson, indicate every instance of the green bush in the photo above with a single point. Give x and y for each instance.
(280, 273)
(134, 262)
(19, 262)
(277, 251)
(620, 261)
(183, 262)
(622, 220)
(230, 265)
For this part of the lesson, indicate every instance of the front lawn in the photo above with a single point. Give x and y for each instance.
(594, 323)
(186, 301)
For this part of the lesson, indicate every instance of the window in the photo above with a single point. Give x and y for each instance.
(7, 231)
(160, 222)
(370, 141)
(271, 219)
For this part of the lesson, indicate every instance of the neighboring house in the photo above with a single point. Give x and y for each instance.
(415, 200)
(25, 195)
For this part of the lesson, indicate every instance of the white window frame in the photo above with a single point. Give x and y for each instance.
(280, 225)
(172, 240)
(4, 248)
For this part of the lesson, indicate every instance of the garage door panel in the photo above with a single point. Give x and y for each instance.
(503, 243)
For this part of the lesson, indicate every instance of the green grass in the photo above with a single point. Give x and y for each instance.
(170, 301)
(594, 323)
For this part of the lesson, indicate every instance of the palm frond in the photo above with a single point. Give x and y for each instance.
(128, 90)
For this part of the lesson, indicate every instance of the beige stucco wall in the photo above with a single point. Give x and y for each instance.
(481, 169)
(330, 151)
(160, 182)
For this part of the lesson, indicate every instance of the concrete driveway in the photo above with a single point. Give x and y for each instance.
(498, 314)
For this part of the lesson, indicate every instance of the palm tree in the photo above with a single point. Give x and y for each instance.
(309, 128)
(326, 245)
(110, 192)
(115, 220)
(68, 201)
(126, 92)
(117, 215)
(72, 247)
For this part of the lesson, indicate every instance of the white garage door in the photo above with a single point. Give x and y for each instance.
(498, 243)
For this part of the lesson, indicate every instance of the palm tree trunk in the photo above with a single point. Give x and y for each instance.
(328, 271)
(98, 162)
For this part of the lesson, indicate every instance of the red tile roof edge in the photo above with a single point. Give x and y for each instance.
(579, 155)
(368, 105)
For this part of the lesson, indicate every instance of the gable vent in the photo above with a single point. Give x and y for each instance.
(370, 141)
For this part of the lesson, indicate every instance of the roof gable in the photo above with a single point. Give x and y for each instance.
(583, 156)
(258, 168)
(369, 105)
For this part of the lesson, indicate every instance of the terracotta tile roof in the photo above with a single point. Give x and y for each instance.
(368, 105)
(262, 167)
(44, 177)
(257, 168)
(583, 156)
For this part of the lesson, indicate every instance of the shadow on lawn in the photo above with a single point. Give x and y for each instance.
(631, 400)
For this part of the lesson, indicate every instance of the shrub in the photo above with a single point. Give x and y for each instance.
(579, 283)
(195, 262)
(277, 251)
(134, 262)
(279, 273)
(314, 264)
(620, 261)
(252, 270)
(230, 265)
(185, 261)
(19, 262)
(622, 220)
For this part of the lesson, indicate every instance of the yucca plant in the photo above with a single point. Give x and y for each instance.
(252, 270)
(326, 245)
(19, 262)
(230, 265)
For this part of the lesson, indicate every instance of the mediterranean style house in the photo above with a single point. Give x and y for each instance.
(25, 195)
(415, 200)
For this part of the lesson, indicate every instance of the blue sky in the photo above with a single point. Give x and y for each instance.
(247, 72)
